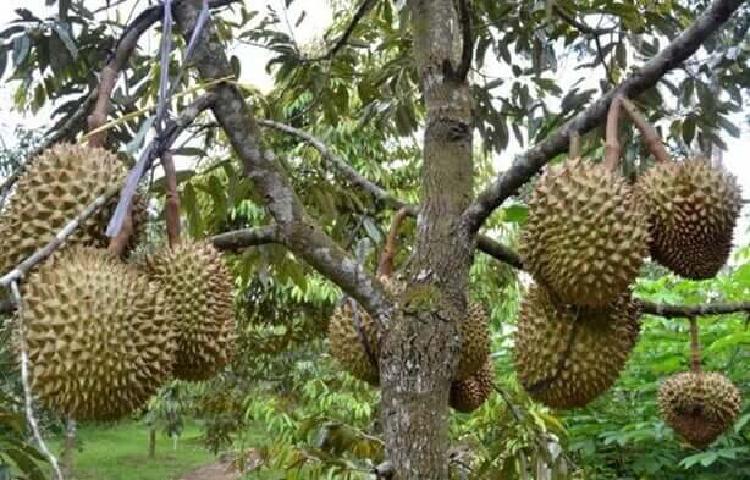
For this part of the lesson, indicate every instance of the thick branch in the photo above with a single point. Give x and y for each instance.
(499, 251)
(338, 163)
(526, 166)
(687, 311)
(240, 239)
(296, 229)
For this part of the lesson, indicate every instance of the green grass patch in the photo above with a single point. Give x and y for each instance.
(120, 452)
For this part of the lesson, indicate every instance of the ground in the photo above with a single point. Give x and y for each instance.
(120, 452)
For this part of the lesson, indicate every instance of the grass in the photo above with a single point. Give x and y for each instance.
(120, 452)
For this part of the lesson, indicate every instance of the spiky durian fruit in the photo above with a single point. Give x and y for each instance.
(54, 188)
(99, 340)
(475, 344)
(349, 330)
(566, 356)
(354, 340)
(586, 237)
(693, 209)
(198, 291)
(699, 406)
(469, 394)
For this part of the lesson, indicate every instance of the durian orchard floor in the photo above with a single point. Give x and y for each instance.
(120, 452)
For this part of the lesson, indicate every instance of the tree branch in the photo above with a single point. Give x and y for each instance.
(467, 40)
(580, 26)
(240, 239)
(296, 229)
(365, 7)
(687, 311)
(338, 163)
(499, 251)
(526, 166)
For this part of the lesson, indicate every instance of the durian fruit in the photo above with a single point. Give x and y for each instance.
(566, 356)
(99, 340)
(693, 209)
(469, 394)
(475, 344)
(198, 290)
(699, 406)
(55, 187)
(586, 237)
(346, 340)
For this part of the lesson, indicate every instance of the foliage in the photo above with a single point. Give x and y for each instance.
(15, 451)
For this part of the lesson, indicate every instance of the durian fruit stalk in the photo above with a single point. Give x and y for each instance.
(586, 236)
(693, 208)
(566, 356)
(53, 190)
(99, 340)
(469, 394)
(198, 291)
(698, 406)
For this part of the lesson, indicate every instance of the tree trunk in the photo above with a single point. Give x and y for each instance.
(420, 347)
(152, 442)
(69, 448)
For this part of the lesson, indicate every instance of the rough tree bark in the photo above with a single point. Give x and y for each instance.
(420, 349)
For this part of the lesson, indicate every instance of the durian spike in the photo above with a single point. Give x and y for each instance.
(650, 136)
(695, 348)
(385, 267)
(172, 204)
(574, 148)
(612, 144)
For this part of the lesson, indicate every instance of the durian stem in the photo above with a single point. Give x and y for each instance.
(650, 136)
(695, 348)
(172, 203)
(385, 268)
(574, 147)
(612, 144)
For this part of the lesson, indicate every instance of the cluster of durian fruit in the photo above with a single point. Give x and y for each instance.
(587, 235)
(353, 337)
(104, 333)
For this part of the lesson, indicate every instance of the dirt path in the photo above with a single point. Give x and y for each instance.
(215, 471)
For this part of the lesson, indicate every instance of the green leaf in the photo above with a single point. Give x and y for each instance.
(516, 213)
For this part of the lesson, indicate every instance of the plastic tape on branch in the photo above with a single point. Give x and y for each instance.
(200, 23)
(165, 53)
(131, 183)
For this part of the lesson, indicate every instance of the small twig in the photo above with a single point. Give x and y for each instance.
(28, 396)
(364, 7)
(172, 203)
(650, 136)
(574, 148)
(612, 143)
(385, 267)
(695, 348)
(350, 173)
(580, 26)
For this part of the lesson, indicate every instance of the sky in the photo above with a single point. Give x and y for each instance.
(317, 19)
